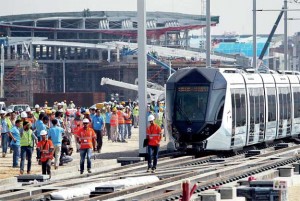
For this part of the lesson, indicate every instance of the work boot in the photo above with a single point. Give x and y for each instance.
(81, 172)
(21, 172)
(28, 172)
(89, 171)
(3, 155)
(153, 170)
(148, 170)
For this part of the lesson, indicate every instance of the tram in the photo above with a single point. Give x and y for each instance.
(228, 109)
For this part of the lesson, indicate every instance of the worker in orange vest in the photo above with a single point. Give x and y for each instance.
(114, 125)
(154, 134)
(46, 148)
(121, 125)
(86, 137)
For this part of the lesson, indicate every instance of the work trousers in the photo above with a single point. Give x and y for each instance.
(46, 167)
(88, 154)
(99, 139)
(107, 126)
(152, 155)
(113, 133)
(4, 142)
(16, 154)
(26, 151)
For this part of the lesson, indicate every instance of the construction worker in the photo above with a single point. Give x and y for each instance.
(47, 149)
(154, 134)
(15, 143)
(114, 125)
(121, 125)
(36, 113)
(71, 105)
(86, 137)
(135, 112)
(98, 125)
(107, 122)
(4, 132)
(26, 142)
(55, 134)
(128, 122)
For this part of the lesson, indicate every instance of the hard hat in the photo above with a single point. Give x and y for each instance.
(114, 109)
(151, 117)
(9, 111)
(42, 111)
(28, 109)
(2, 112)
(87, 112)
(71, 101)
(23, 114)
(48, 112)
(53, 110)
(61, 110)
(59, 104)
(36, 106)
(46, 101)
(43, 132)
(86, 120)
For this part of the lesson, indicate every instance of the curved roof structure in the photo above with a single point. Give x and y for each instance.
(108, 22)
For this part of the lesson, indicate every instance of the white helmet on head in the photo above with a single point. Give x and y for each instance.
(28, 109)
(9, 111)
(151, 117)
(86, 120)
(36, 106)
(23, 114)
(43, 132)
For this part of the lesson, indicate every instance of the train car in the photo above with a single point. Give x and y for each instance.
(228, 109)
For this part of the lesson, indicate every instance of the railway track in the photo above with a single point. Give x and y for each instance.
(208, 172)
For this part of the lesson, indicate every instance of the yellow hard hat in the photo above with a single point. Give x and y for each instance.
(114, 109)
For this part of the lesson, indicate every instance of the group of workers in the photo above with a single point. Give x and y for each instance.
(52, 132)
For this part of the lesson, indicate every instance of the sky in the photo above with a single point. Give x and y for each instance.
(235, 15)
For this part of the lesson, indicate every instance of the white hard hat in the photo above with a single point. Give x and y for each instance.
(86, 120)
(151, 117)
(61, 110)
(43, 132)
(9, 111)
(42, 111)
(53, 110)
(36, 106)
(59, 104)
(23, 114)
(28, 109)
(2, 112)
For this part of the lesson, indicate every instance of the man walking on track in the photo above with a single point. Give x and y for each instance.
(86, 137)
(47, 149)
(154, 137)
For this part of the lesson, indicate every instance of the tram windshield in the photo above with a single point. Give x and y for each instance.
(190, 103)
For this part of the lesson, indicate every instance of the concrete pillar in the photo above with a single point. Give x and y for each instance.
(296, 167)
(228, 193)
(8, 52)
(286, 171)
(22, 52)
(210, 196)
(16, 52)
(118, 54)
(108, 55)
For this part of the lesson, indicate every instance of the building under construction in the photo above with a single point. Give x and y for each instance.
(61, 53)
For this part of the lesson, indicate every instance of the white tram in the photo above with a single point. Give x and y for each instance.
(228, 109)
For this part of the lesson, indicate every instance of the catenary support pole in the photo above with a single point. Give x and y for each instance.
(208, 37)
(285, 37)
(2, 71)
(254, 63)
(142, 73)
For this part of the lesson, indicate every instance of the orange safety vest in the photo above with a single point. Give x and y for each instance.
(45, 146)
(121, 119)
(128, 118)
(154, 134)
(114, 120)
(86, 138)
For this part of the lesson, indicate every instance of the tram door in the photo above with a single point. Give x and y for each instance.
(284, 105)
(239, 117)
(271, 123)
(257, 115)
(296, 119)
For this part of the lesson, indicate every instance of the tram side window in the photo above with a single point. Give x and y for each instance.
(271, 104)
(296, 102)
(288, 103)
(257, 106)
(233, 108)
(238, 107)
(252, 105)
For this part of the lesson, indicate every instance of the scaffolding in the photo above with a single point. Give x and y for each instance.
(21, 80)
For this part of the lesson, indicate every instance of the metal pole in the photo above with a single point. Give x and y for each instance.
(64, 75)
(294, 57)
(2, 71)
(254, 64)
(285, 37)
(208, 38)
(142, 73)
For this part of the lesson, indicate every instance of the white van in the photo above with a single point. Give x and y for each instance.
(18, 107)
(2, 106)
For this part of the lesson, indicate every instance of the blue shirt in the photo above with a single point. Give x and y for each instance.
(4, 126)
(107, 117)
(55, 133)
(97, 122)
(39, 127)
(16, 133)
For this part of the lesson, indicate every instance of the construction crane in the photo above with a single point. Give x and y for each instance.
(154, 94)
